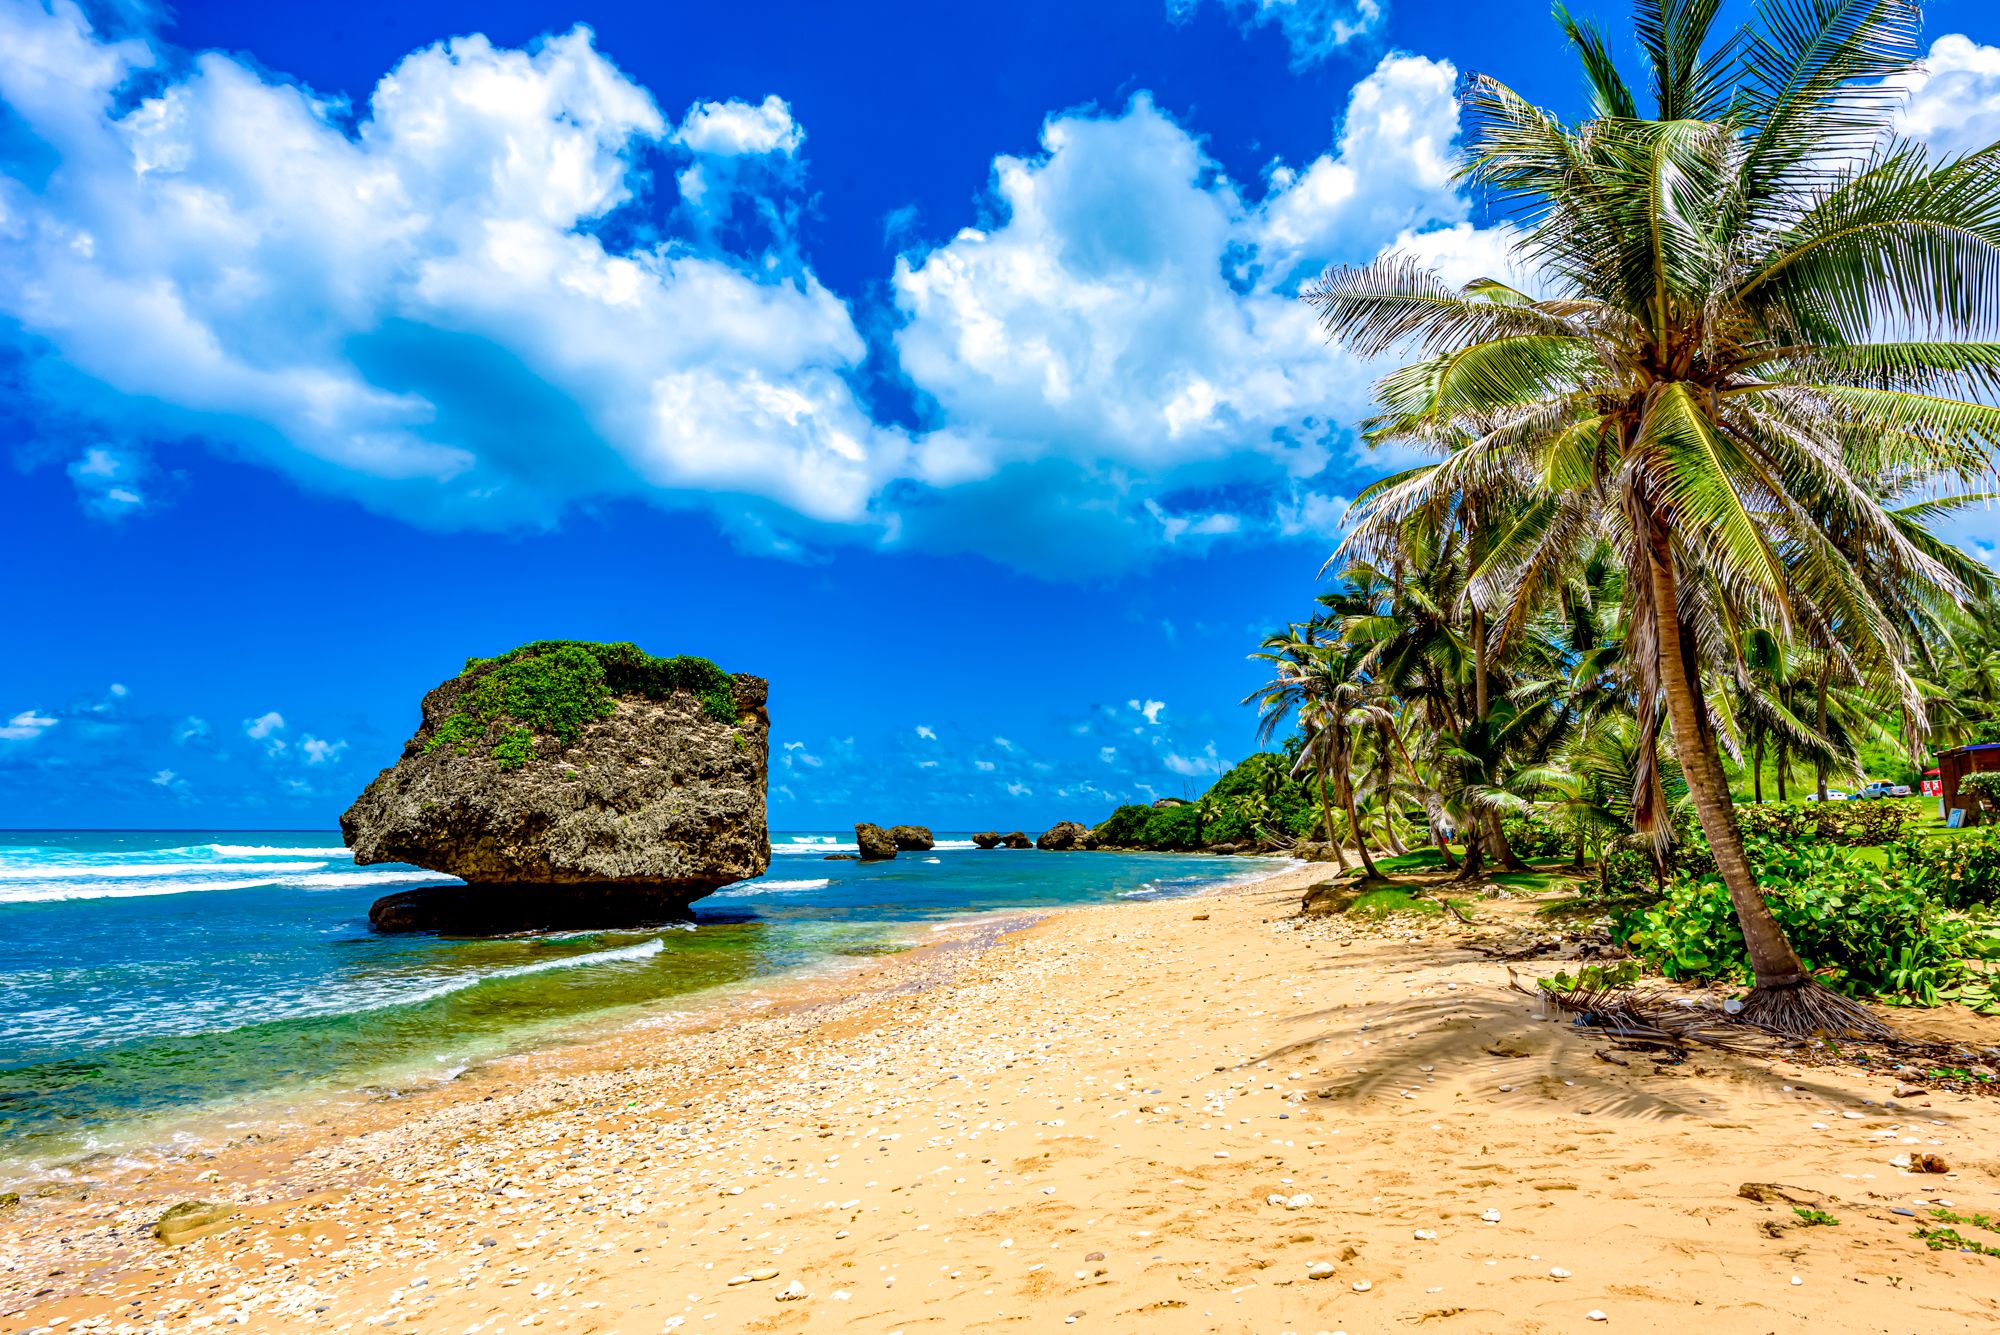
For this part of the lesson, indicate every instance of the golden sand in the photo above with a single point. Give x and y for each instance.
(1199, 1115)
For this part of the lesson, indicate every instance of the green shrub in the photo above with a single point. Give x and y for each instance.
(1984, 785)
(1959, 870)
(552, 688)
(1532, 836)
(1858, 922)
(1174, 829)
(1854, 823)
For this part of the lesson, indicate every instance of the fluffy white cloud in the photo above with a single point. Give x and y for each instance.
(1391, 173)
(1313, 29)
(415, 303)
(1954, 100)
(1150, 709)
(739, 129)
(264, 725)
(417, 311)
(924, 731)
(319, 751)
(26, 726)
(1206, 761)
(1126, 309)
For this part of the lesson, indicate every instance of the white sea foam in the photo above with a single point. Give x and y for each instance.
(336, 880)
(953, 845)
(815, 847)
(743, 888)
(643, 950)
(221, 876)
(53, 892)
(261, 851)
(56, 871)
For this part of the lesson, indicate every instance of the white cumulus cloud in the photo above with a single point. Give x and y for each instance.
(416, 301)
(1954, 100)
(319, 751)
(739, 129)
(264, 725)
(26, 726)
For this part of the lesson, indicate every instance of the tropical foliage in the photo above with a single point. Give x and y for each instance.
(1689, 473)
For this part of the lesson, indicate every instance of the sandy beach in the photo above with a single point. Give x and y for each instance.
(1199, 1114)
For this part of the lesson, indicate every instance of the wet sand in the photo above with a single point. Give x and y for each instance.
(1201, 1115)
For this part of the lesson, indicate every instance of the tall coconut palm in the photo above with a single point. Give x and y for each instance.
(1756, 301)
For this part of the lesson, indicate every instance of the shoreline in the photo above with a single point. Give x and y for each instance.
(1089, 1113)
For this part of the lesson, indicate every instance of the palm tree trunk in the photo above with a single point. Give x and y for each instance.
(1757, 768)
(1360, 844)
(1786, 997)
(1819, 761)
(1326, 814)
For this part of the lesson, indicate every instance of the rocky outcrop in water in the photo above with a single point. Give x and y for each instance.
(1066, 836)
(874, 842)
(1016, 840)
(912, 838)
(986, 839)
(571, 784)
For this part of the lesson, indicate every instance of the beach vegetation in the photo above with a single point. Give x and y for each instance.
(552, 688)
(1689, 478)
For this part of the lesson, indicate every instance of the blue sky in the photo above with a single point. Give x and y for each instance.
(939, 363)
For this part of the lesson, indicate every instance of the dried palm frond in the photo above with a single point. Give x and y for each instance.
(1649, 1014)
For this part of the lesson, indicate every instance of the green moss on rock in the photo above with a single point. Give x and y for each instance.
(552, 688)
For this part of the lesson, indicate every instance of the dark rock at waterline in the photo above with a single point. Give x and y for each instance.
(661, 795)
(1066, 836)
(986, 839)
(841, 857)
(497, 910)
(912, 838)
(874, 842)
(1017, 840)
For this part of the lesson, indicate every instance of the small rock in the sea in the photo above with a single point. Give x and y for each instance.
(1320, 1270)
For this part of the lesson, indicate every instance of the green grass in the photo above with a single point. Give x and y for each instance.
(1394, 899)
(1811, 1218)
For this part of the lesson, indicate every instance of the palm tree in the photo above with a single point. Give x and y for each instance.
(1299, 683)
(1760, 301)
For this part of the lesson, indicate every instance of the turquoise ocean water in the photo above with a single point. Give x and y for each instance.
(149, 979)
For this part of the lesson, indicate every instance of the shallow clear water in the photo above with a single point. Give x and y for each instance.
(153, 975)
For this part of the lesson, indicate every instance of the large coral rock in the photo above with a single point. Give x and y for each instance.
(1016, 840)
(1066, 836)
(654, 799)
(875, 843)
(987, 839)
(913, 838)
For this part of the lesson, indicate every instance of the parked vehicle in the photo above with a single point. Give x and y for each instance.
(1883, 788)
(1832, 795)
